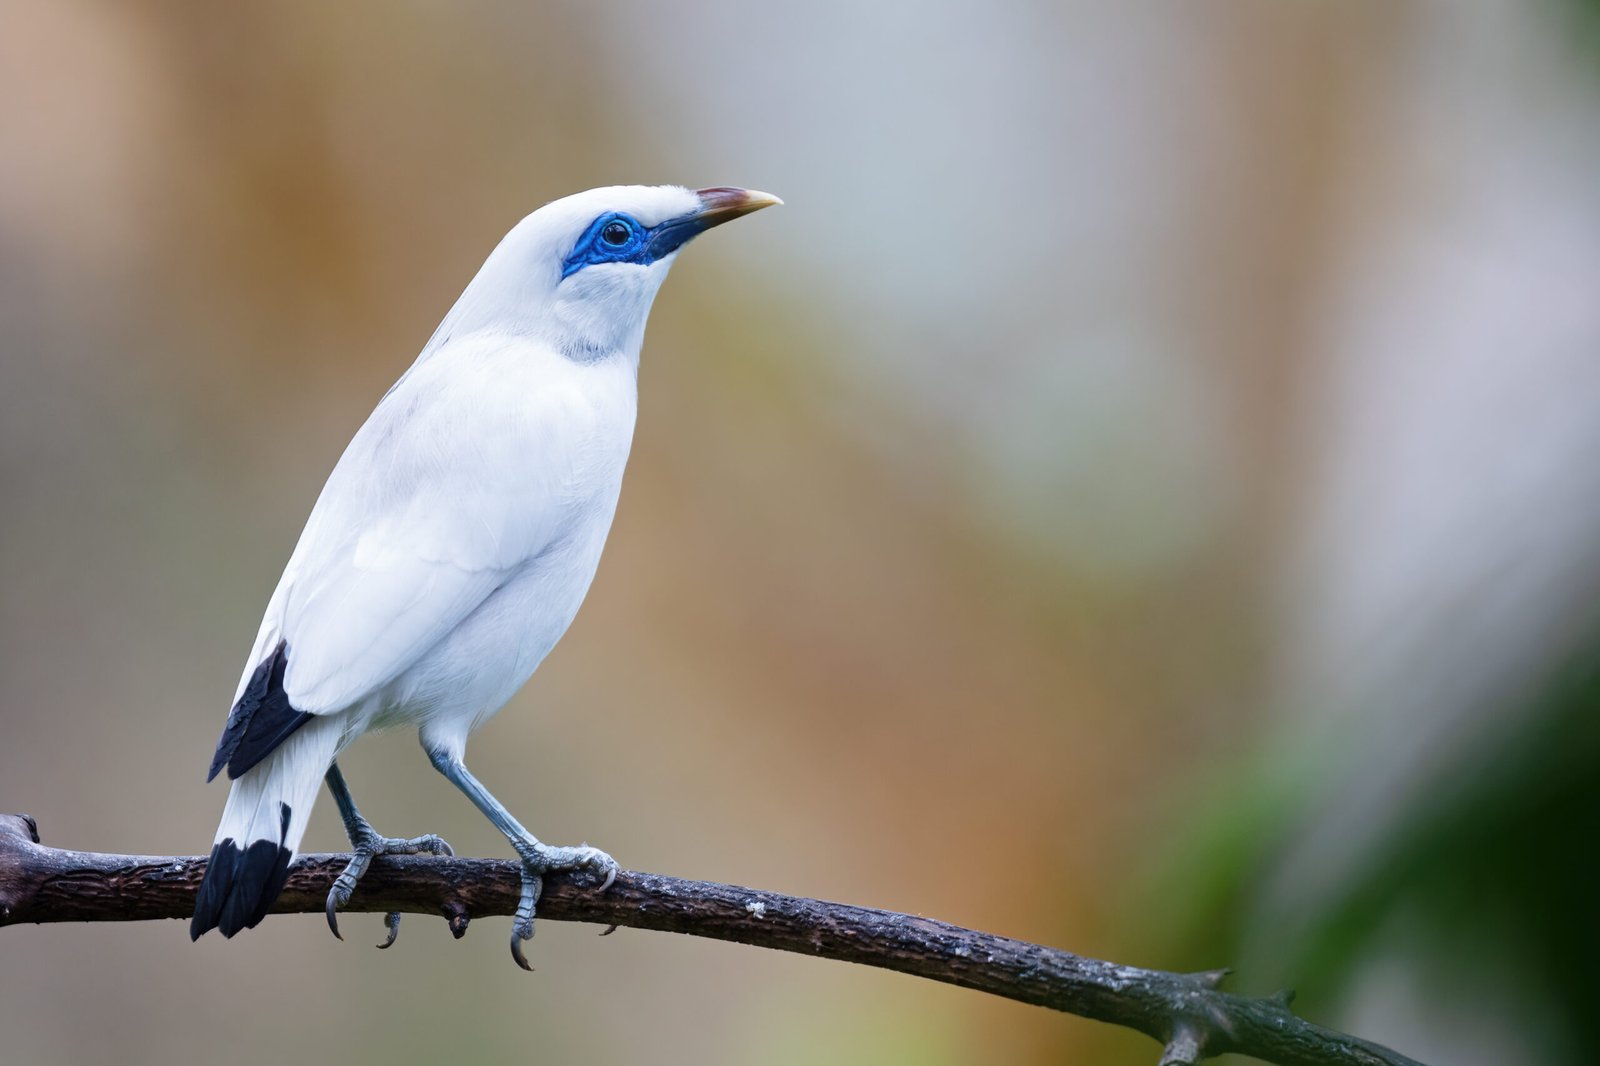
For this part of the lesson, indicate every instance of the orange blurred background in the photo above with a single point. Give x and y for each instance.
(1141, 494)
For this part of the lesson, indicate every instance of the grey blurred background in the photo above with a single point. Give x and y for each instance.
(1141, 494)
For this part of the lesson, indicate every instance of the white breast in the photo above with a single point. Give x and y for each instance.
(563, 459)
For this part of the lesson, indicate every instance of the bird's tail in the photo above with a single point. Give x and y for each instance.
(262, 824)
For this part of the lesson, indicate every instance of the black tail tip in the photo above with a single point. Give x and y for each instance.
(241, 883)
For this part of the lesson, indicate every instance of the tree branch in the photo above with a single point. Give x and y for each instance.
(1184, 1012)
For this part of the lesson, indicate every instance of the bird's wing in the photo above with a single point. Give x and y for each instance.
(433, 506)
(383, 602)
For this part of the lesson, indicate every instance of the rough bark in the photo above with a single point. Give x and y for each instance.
(1187, 1013)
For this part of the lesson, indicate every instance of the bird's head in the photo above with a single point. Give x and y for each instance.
(581, 271)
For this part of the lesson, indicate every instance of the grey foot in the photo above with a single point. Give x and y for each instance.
(541, 859)
(367, 847)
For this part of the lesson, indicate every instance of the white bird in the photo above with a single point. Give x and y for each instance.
(453, 543)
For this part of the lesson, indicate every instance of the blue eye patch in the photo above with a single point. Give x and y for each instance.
(615, 237)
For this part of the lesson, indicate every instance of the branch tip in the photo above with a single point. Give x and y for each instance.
(19, 825)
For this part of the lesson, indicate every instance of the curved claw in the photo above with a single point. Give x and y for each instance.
(611, 877)
(522, 925)
(369, 845)
(517, 938)
(333, 915)
(392, 920)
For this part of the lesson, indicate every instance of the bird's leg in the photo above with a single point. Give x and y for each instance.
(538, 858)
(366, 843)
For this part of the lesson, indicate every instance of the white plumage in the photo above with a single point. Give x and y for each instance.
(459, 532)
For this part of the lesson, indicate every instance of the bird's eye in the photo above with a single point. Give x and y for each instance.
(616, 234)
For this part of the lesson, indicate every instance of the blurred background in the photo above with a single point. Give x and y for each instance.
(1141, 494)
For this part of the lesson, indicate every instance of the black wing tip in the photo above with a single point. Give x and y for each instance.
(258, 746)
(261, 720)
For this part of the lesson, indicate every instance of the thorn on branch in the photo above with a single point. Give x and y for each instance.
(1212, 979)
